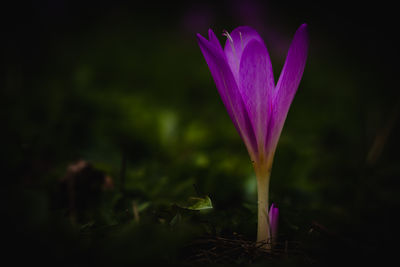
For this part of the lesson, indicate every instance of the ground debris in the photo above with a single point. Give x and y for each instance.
(236, 249)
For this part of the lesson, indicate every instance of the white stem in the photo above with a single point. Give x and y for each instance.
(263, 173)
(263, 231)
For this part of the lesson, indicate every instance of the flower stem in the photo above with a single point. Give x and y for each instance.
(263, 230)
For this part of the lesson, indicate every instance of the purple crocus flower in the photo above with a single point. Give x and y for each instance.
(257, 106)
(273, 221)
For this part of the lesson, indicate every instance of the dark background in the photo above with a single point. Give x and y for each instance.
(125, 87)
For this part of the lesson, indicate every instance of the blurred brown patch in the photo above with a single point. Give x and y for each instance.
(82, 188)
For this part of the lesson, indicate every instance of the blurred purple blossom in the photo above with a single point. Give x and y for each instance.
(273, 221)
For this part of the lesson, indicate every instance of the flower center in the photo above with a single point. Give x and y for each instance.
(227, 35)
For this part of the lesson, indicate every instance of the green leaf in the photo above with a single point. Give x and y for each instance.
(197, 203)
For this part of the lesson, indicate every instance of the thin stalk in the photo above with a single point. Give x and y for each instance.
(263, 174)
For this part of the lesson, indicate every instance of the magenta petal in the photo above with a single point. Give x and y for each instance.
(288, 83)
(236, 43)
(273, 220)
(228, 90)
(256, 83)
(213, 39)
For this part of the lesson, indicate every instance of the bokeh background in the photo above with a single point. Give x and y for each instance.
(111, 122)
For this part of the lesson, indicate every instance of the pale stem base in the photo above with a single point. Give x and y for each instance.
(263, 230)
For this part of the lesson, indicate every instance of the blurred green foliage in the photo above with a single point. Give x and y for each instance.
(128, 91)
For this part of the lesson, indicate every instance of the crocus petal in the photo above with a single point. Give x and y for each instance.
(236, 43)
(287, 84)
(273, 220)
(228, 90)
(256, 83)
(213, 39)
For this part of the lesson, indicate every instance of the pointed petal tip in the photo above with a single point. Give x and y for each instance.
(198, 35)
(301, 38)
(201, 40)
(303, 33)
(210, 32)
(303, 28)
(213, 38)
(273, 207)
(204, 44)
(304, 25)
